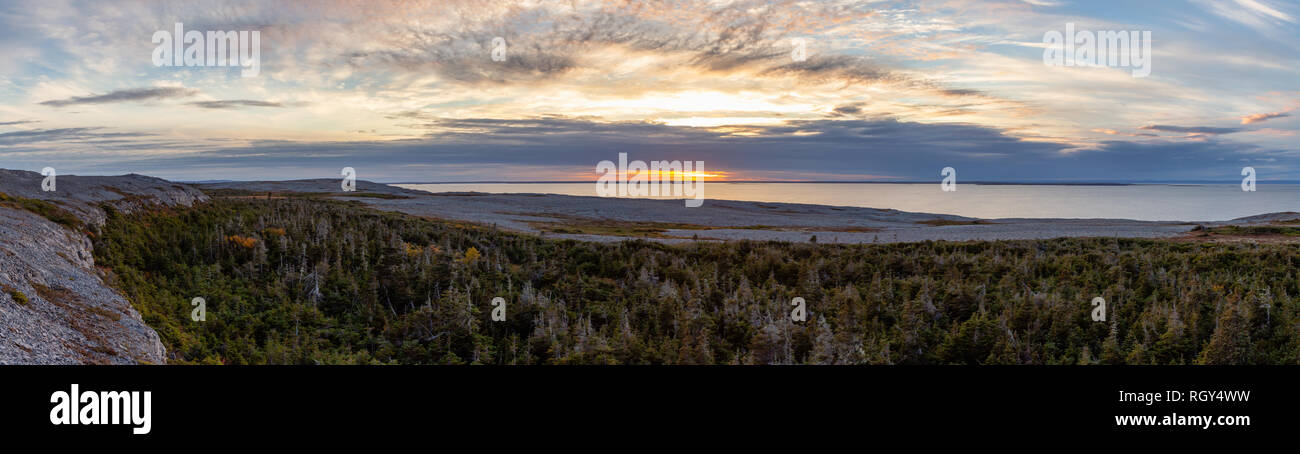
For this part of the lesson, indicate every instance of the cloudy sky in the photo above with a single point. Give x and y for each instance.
(889, 90)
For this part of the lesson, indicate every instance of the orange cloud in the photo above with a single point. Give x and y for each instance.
(1256, 118)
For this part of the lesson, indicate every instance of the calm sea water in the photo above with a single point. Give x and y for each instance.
(1149, 202)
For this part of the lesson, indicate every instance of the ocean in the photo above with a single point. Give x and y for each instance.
(1146, 202)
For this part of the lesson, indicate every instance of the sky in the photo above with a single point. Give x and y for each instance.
(878, 90)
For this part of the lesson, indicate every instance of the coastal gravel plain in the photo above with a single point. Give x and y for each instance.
(616, 219)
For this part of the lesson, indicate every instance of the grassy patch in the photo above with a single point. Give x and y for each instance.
(129, 197)
(828, 229)
(244, 194)
(1256, 230)
(943, 222)
(59, 296)
(18, 296)
(46, 209)
(777, 209)
(605, 227)
(89, 327)
(102, 312)
(613, 228)
(575, 225)
(368, 195)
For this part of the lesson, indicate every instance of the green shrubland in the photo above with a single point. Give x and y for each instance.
(307, 281)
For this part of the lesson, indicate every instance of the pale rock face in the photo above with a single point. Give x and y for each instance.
(71, 315)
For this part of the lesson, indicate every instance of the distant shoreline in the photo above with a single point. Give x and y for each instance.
(590, 218)
(1138, 201)
(980, 183)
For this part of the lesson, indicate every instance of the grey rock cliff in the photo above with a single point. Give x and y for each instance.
(70, 316)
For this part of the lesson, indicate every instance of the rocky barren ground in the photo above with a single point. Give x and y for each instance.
(55, 307)
(604, 219)
(668, 221)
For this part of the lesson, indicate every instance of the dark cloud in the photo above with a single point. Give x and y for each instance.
(130, 94)
(40, 135)
(18, 122)
(37, 136)
(410, 114)
(903, 150)
(1191, 129)
(959, 92)
(234, 103)
(849, 109)
(834, 68)
(467, 57)
(541, 45)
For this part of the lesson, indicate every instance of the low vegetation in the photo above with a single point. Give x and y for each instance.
(945, 222)
(242, 193)
(615, 228)
(660, 230)
(45, 209)
(1256, 230)
(17, 296)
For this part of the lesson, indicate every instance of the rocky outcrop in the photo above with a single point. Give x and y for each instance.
(55, 307)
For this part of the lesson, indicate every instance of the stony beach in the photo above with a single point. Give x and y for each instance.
(617, 219)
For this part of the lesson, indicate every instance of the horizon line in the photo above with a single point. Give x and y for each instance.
(981, 182)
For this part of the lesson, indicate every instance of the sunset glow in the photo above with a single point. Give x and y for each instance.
(411, 91)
